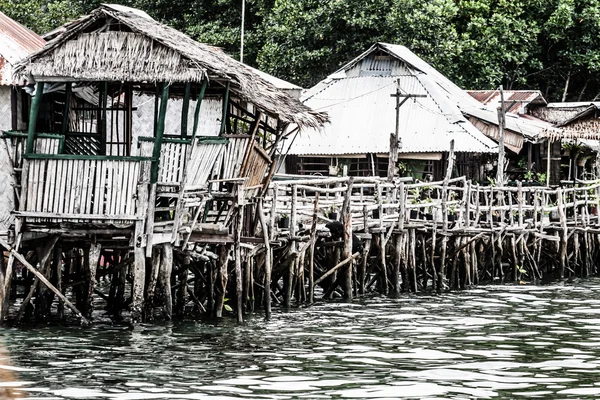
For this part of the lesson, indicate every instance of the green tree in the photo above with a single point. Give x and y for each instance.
(41, 16)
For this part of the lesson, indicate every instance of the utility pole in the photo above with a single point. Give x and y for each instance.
(242, 36)
(395, 141)
(501, 126)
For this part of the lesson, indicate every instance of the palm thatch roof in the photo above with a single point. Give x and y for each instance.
(116, 43)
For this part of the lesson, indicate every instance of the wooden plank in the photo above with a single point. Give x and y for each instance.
(93, 165)
(101, 209)
(31, 186)
(125, 192)
(96, 195)
(109, 187)
(133, 181)
(61, 182)
(86, 217)
(49, 181)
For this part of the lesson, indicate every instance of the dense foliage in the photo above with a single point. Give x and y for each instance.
(551, 45)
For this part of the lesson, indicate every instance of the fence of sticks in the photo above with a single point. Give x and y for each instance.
(308, 239)
(430, 235)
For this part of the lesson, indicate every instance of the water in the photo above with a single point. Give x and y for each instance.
(494, 342)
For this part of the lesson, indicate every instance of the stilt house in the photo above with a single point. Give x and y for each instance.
(130, 120)
(16, 42)
(361, 100)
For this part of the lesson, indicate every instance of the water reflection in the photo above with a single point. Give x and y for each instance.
(10, 386)
(493, 342)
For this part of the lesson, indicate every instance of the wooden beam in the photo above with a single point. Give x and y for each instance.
(67, 108)
(33, 115)
(102, 126)
(160, 130)
(225, 109)
(43, 279)
(185, 109)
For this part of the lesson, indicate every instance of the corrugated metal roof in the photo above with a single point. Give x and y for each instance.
(529, 126)
(16, 42)
(362, 112)
(523, 98)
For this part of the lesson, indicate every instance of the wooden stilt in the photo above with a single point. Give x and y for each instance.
(94, 259)
(221, 283)
(43, 279)
(137, 290)
(347, 250)
(238, 263)
(164, 279)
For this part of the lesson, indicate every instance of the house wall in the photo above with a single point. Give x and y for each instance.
(7, 200)
(143, 116)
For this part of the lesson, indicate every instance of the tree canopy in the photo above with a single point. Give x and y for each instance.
(549, 45)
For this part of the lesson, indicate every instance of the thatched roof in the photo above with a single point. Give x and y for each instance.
(116, 43)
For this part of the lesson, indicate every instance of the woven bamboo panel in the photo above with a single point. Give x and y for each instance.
(5, 109)
(143, 117)
(7, 194)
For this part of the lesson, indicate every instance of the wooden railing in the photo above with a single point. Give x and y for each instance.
(81, 188)
(376, 203)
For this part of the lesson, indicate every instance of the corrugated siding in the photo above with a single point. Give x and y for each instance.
(363, 116)
(16, 42)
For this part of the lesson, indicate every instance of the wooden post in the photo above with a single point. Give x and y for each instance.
(395, 141)
(548, 154)
(94, 259)
(501, 126)
(33, 116)
(268, 259)
(137, 290)
(239, 222)
(393, 156)
(44, 254)
(346, 217)
(103, 98)
(152, 282)
(290, 277)
(67, 109)
(42, 278)
(564, 236)
(225, 110)
(160, 130)
(313, 240)
(8, 279)
(164, 279)
(3, 297)
(441, 276)
(222, 279)
(185, 108)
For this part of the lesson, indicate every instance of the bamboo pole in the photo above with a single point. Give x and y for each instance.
(347, 250)
(313, 240)
(43, 279)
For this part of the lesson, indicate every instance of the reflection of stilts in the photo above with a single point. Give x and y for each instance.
(7, 375)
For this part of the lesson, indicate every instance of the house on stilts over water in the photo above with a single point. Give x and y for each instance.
(16, 42)
(140, 144)
(361, 99)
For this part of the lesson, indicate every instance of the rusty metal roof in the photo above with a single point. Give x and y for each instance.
(522, 99)
(16, 42)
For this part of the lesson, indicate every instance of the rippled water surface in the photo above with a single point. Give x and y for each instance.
(494, 342)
